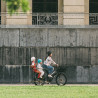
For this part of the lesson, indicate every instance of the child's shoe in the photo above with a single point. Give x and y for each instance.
(49, 76)
(41, 77)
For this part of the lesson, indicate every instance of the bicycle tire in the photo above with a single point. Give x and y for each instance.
(61, 79)
(38, 81)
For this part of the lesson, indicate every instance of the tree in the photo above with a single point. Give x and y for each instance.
(14, 5)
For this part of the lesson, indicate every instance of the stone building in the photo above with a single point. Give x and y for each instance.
(54, 12)
(63, 26)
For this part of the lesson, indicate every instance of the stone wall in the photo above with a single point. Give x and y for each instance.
(74, 48)
(23, 74)
(49, 37)
(63, 56)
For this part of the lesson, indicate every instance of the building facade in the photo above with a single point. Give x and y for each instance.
(74, 47)
(54, 12)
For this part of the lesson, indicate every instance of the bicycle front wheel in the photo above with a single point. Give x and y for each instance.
(61, 79)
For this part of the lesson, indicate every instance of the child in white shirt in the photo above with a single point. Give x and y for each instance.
(39, 67)
(48, 62)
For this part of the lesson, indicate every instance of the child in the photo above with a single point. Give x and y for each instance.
(39, 66)
(33, 66)
(48, 62)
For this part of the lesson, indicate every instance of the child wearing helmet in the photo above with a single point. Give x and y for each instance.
(33, 66)
(48, 62)
(39, 67)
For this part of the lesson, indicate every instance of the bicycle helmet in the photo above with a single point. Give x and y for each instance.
(49, 52)
(32, 58)
(39, 60)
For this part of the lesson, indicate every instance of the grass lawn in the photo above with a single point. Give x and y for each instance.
(48, 91)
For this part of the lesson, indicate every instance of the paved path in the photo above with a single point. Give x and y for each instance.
(48, 85)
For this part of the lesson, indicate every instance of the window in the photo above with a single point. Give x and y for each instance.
(93, 10)
(45, 6)
(93, 6)
(44, 12)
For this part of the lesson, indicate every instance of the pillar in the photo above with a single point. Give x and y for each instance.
(86, 11)
(74, 12)
(3, 12)
(60, 12)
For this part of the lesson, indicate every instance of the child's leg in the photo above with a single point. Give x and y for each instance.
(42, 73)
(44, 66)
(50, 68)
(39, 73)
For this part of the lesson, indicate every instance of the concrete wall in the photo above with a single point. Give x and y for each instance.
(74, 48)
(63, 56)
(23, 74)
(63, 37)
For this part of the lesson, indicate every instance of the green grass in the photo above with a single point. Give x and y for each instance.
(48, 91)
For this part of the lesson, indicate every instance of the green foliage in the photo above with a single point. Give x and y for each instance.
(14, 5)
(24, 5)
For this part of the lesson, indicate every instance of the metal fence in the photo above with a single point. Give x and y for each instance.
(44, 19)
(55, 18)
(93, 18)
(49, 19)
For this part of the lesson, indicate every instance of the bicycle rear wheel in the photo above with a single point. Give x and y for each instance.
(61, 79)
(38, 81)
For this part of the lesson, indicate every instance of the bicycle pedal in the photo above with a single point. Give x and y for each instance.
(40, 78)
(35, 81)
(47, 82)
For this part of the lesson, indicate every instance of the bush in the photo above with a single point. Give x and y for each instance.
(14, 5)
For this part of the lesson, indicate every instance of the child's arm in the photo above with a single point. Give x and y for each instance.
(39, 67)
(35, 64)
(53, 62)
(32, 65)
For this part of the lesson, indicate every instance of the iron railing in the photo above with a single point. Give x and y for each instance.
(44, 19)
(49, 19)
(93, 18)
